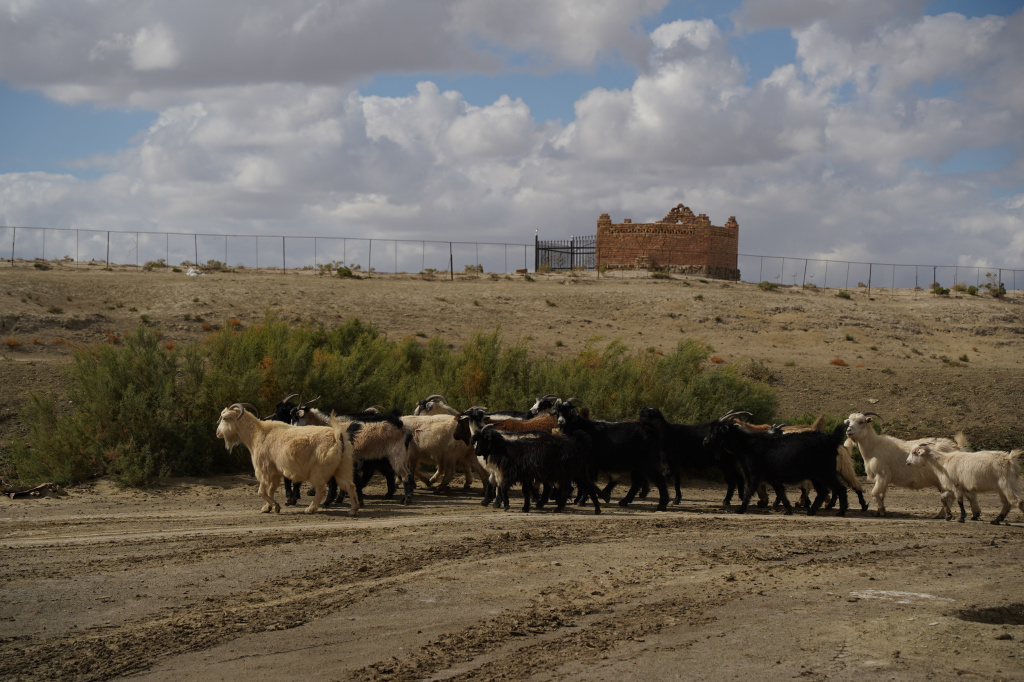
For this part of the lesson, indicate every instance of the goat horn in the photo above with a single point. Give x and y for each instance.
(550, 396)
(572, 401)
(726, 417)
(436, 396)
(873, 414)
(288, 398)
(254, 410)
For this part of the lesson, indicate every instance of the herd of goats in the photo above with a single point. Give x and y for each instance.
(555, 449)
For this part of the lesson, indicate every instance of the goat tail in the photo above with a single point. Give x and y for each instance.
(1013, 460)
(961, 440)
(342, 435)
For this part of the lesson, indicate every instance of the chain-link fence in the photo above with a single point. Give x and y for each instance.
(883, 278)
(258, 252)
(411, 256)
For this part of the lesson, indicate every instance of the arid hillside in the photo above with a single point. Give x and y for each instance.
(926, 363)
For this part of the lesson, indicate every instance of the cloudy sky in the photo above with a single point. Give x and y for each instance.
(881, 130)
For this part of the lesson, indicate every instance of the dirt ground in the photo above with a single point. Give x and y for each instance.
(188, 580)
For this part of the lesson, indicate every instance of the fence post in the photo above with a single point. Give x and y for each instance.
(892, 287)
(167, 248)
(804, 283)
(396, 257)
(284, 257)
(869, 279)
(451, 263)
(136, 249)
(782, 273)
(14, 238)
(760, 273)
(44, 242)
(536, 251)
(933, 275)
(76, 245)
(195, 245)
(108, 248)
(225, 250)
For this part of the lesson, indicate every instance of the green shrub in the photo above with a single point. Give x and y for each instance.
(141, 411)
(137, 413)
(767, 286)
(843, 294)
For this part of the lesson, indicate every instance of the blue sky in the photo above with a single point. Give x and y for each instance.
(797, 116)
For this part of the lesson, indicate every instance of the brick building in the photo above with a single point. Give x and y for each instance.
(680, 242)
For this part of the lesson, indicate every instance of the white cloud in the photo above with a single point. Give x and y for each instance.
(835, 155)
(154, 48)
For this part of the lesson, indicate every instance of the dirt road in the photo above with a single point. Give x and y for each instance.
(189, 581)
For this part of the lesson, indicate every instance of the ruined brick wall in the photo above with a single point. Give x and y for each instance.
(680, 242)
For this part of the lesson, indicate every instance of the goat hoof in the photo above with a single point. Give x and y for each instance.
(662, 507)
(961, 519)
(996, 521)
(864, 507)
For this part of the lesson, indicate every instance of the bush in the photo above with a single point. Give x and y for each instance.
(143, 409)
(767, 286)
(137, 413)
(843, 294)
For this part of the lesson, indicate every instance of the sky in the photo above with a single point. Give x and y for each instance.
(864, 130)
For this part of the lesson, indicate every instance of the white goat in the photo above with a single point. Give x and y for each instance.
(885, 458)
(381, 437)
(970, 473)
(310, 454)
(434, 438)
(436, 404)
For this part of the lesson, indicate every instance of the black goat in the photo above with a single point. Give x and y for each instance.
(682, 446)
(541, 405)
(778, 459)
(535, 458)
(616, 447)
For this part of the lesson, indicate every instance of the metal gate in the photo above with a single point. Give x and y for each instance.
(566, 254)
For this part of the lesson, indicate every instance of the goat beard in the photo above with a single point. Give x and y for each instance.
(230, 437)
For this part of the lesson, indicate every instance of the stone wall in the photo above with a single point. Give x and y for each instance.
(680, 242)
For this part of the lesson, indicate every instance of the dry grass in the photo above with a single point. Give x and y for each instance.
(12, 342)
(838, 362)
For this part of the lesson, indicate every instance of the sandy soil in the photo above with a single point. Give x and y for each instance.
(188, 580)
